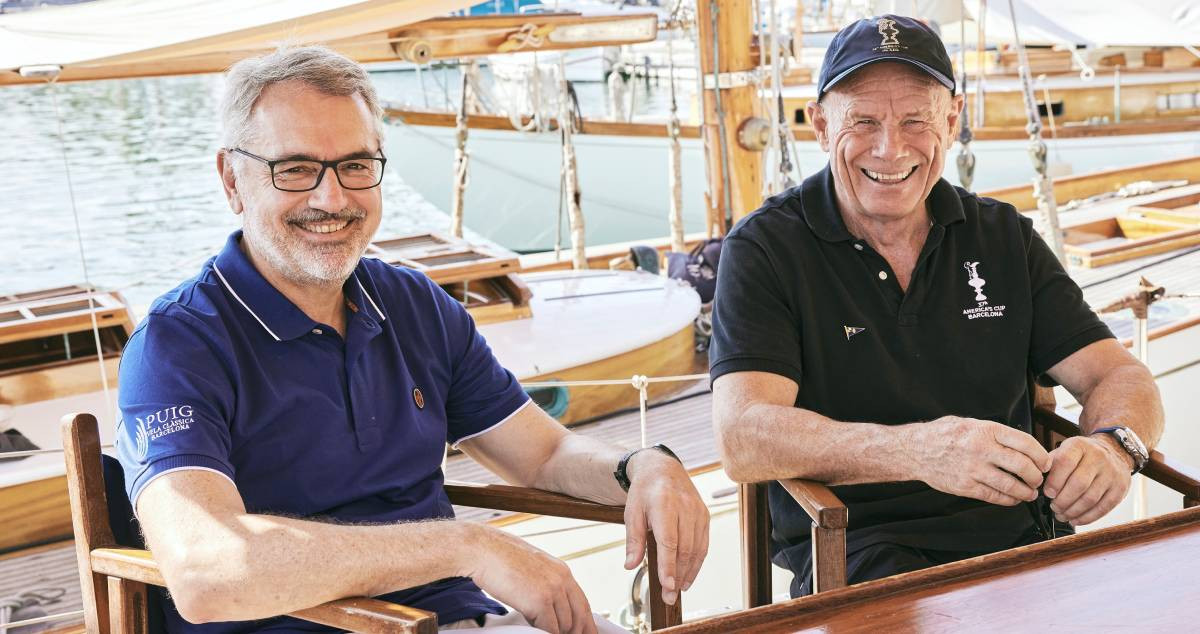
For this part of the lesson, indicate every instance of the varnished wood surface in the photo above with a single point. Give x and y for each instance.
(43, 513)
(825, 509)
(1084, 185)
(1139, 576)
(511, 498)
(672, 356)
(128, 606)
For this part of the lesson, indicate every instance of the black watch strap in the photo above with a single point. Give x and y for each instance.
(622, 475)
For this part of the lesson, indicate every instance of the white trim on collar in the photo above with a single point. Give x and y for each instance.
(382, 317)
(239, 299)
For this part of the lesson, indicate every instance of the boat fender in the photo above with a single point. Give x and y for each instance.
(554, 400)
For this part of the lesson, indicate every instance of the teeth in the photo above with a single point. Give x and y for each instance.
(325, 227)
(886, 178)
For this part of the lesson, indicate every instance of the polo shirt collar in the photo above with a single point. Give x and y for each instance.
(282, 319)
(820, 207)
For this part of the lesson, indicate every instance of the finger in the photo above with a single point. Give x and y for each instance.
(686, 554)
(562, 611)
(1018, 464)
(981, 491)
(582, 620)
(635, 537)
(1064, 461)
(701, 546)
(546, 618)
(1086, 500)
(1020, 441)
(667, 544)
(1077, 485)
(1107, 503)
(1007, 484)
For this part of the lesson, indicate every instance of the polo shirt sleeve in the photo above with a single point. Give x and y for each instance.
(754, 329)
(1063, 323)
(176, 399)
(483, 394)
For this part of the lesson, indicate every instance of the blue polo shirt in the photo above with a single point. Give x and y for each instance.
(225, 374)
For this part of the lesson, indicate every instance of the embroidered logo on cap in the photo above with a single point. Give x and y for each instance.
(852, 330)
(418, 398)
(889, 44)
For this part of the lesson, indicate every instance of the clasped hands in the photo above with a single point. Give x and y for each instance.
(1085, 477)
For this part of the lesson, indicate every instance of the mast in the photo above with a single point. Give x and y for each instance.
(735, 171)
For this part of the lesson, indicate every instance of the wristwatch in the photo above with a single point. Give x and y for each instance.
(1130, 442)
(623, 477)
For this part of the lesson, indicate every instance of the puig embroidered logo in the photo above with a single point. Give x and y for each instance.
(982, 308)
(161, 423)
(889, 43)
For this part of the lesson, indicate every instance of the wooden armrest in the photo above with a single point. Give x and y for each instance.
(356, 614)
(1171, 474)
(821, 504)
(503, 497)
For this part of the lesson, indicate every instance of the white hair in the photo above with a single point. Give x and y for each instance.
(317, 66)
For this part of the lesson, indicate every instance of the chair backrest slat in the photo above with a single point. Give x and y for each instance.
(89, 512)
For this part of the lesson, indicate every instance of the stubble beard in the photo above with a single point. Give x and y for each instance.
(303, 264)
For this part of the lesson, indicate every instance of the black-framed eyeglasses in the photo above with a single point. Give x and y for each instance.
(301, 175)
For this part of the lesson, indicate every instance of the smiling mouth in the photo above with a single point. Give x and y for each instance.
(325, 226)
(889, 179)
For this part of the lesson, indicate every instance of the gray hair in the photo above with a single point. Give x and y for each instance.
(317, 66)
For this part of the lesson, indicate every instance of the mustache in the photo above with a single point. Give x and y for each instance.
(319, 215)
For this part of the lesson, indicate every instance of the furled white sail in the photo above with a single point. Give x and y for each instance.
(1095, 22)
(112, 38)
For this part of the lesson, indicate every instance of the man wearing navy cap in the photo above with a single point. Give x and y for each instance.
(286, 411)
(875, 329)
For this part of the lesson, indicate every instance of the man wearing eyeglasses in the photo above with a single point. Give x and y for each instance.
(286, 411)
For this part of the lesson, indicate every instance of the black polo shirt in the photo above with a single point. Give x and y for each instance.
(799, 296)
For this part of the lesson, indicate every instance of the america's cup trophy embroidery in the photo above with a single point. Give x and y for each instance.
(975, 281)
(887, 28)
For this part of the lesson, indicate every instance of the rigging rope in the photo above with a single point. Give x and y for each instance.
(462, 159)
(966, 157)
(570, 169)
(674, 154)
(723, 142)
(1043, 187)
(783, 140)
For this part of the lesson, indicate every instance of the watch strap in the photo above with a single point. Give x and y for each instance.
(1129, 442)
(622, 473)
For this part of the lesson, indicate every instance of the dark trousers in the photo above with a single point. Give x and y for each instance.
(886, 559)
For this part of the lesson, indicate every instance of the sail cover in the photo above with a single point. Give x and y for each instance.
(1096, 22)
(121, 38)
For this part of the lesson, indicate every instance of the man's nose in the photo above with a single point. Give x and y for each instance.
(889, 143)
(329, 195)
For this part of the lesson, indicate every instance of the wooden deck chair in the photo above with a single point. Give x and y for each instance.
(829, 516)
(115, 576)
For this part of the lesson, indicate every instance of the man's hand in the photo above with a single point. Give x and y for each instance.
(663, 499)
(532, 582)
(980, 459)
(1089, 475)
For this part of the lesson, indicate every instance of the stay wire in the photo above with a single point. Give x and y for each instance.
(87, 280)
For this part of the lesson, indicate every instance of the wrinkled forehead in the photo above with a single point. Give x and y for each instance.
(894, 81)
(293, 117)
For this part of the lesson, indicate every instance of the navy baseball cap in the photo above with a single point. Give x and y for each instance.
(885, 38)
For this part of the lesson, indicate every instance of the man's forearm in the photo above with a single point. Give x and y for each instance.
(582, 467)
(257, 566)
(1125, 396)
(772, 442)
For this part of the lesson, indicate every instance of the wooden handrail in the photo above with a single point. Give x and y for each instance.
(357, 614)
(819, 501)
(503, 497)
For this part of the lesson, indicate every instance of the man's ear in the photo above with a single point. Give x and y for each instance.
(816, 116)
(229, 181)
(957, 102)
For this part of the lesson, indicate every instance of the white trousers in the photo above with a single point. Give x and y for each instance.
(515, 623)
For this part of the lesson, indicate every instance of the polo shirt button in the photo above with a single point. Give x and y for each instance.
(368, 323)
(858, 246)
(317, 331)
(883, 275)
